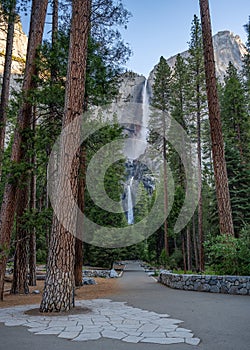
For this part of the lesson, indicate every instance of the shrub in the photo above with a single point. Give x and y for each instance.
(228, 255)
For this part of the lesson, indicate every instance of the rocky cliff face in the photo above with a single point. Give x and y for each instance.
(227, 47)
(19, 47)
(131, 87)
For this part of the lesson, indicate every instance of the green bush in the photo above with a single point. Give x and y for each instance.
(228, 255)
(164, 259)
(176, 259)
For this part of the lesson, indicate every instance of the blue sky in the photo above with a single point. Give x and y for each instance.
(162, 27)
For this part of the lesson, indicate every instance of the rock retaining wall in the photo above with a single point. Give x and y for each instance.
(206, 283)
(102, 273)
(96, 273)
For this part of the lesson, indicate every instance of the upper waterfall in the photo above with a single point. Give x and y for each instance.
(136, 143)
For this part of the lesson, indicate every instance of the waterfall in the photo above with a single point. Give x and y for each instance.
(134, 148)
(130, 204)
(136, 143)
(145, 113)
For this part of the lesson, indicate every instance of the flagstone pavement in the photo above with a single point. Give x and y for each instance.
(107, 319)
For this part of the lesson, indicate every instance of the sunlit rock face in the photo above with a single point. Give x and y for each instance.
(131, 87)
(227, 47)
(19, 46)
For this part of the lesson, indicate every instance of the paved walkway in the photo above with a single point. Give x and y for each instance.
(136, 318)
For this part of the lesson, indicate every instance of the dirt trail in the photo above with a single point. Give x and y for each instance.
(104, 288)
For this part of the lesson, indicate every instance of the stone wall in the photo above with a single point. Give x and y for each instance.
(102, 273)
(206, 283)
(96, 273)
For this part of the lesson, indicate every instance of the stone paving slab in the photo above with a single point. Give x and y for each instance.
(106, 319)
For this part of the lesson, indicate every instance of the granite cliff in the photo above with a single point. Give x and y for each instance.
(227, 47)
(19, 47)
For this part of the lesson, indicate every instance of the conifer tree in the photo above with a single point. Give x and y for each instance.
(246, 64)
(59, 284)
(158, 125)
(23, 123)
(179, 104)
(219, 163)
(236, 128)
(197, 107)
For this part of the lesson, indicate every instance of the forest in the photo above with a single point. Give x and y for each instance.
(77, 68)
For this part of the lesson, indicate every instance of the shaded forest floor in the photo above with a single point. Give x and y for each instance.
(104, 288)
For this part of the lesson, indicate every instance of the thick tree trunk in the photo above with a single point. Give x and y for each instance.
(38, 14)
(20, 274)
(6, 79)
(59, 284)
(220, 171)
(78, 262)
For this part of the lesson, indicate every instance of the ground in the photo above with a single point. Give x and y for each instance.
(103, 288)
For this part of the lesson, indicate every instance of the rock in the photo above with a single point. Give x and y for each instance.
(40, 277)
(243, 291)
(113, 274)
(36, 291)
(151, 273)
(19, 47)
(88, 281)
(214, 289)
(228, 47)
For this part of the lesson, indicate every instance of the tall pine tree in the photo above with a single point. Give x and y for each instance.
(236, 128)
(158, 125)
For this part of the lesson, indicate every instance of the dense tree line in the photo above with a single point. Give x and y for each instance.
(185, 89)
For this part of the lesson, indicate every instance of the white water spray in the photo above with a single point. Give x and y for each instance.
(130, 203)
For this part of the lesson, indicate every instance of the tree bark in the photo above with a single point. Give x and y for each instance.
(78, 262)
(200, 213)
(79, 242)
(6, 79)
(38, 14)
(59, 283)
(20, 274)
(54, 22)
(195, 246)
(32, 235)
(165, 187)
(189, 255)
(220, 171)
(183, 252)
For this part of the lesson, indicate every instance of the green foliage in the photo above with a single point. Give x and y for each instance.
(236, 129)
(4, 251)
(164, 259)
(176, 259)
(246, 64)
(229, 255)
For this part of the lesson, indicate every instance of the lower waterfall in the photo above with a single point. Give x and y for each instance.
(130, 204)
